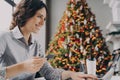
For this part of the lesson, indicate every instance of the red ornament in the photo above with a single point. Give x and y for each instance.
(77, 40)
(60, 41)
(63, 28)
(72, 1)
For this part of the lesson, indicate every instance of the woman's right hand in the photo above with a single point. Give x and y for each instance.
(34, 64)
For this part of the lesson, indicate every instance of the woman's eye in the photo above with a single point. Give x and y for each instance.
(44, 19)
(39, 16)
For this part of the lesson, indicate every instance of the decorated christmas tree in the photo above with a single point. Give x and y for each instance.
(78, 38)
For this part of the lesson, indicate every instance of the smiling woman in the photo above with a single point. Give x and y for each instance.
(6, 16)
(28, 17)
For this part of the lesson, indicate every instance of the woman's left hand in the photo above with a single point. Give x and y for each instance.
(79, 76)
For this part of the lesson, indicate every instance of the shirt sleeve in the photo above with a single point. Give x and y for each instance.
(2, 50)
(50, 73)
(2, 45)
(2, 73)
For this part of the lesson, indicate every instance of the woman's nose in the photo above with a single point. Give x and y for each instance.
(42, 22)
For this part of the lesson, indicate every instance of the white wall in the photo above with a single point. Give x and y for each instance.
(5, 15)
(102, 11)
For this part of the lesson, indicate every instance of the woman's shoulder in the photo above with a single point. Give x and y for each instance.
(4, 34)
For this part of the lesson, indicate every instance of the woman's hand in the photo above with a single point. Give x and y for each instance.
(34, 64)
(31, 65)
(78, 76)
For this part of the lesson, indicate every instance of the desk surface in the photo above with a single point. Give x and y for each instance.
(113, 78)
(42, 78)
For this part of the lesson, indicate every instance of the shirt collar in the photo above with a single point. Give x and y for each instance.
(18, 35)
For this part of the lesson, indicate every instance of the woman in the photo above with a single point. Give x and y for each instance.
(20, 55)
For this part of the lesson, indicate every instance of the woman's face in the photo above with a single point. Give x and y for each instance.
(36, 22)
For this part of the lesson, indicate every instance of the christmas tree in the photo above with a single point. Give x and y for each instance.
(78, 38)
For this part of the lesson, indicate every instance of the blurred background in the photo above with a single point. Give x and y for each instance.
(106, 12)
(101, 8)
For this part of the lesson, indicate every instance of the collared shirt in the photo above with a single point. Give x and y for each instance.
(13, 49)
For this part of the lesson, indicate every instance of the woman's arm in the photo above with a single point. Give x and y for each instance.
(14, 70)
(31, 66)
(53, 74)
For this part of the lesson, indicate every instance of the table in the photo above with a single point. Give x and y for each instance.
(41, 78)
(115, 78)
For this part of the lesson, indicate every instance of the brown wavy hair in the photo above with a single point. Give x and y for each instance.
(25, 10)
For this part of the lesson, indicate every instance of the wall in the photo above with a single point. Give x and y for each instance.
(5, 15)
